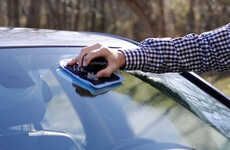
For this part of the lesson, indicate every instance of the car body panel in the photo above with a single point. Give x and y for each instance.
(25, 37)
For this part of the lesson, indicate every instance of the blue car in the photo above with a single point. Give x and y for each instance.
(39, 110)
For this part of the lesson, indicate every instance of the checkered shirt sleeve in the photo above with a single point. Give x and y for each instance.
(200, 53)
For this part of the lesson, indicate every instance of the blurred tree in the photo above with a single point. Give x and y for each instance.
(191, 16)
(33, 19)
(77, 14)
(133, 18)
(162, 17)
(102, 16)
(93, 15)
(13, 12)
(142, 11)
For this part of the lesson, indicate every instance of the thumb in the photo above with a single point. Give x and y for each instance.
(105, 72)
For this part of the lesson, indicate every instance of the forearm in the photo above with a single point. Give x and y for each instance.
(200, 53)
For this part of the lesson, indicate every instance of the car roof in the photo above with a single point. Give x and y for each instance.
(23, 37)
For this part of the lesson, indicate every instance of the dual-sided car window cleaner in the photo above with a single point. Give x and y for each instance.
(85, 76)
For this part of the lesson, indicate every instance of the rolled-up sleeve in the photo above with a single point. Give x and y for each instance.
(205, 52)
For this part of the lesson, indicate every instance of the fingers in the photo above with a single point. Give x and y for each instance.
(83, 52)
(105, 72)
(73, 61)
(86, 50)
(114, 58)
(112, 67)
(93, 54)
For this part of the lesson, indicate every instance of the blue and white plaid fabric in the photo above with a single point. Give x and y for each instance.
(199, 53)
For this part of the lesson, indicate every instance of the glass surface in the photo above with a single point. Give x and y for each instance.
(221, 80)
(41, 110)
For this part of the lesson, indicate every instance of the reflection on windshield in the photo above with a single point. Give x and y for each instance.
(202, 104)
(134, 116)
(20, 90)
(24, 97)
(221, 80)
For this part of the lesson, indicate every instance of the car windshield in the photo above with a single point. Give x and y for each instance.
(41, 110)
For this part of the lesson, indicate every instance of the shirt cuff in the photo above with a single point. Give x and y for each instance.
(135, 59)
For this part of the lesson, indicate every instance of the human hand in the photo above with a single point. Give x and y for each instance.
(115, 58)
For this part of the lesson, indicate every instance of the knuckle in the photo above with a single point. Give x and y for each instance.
(107, 73)
(104, 49)
(100, 53)
(83, 50)
(98, 44)
(95, 53)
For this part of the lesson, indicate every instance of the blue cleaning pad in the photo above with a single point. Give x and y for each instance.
(83, 82)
